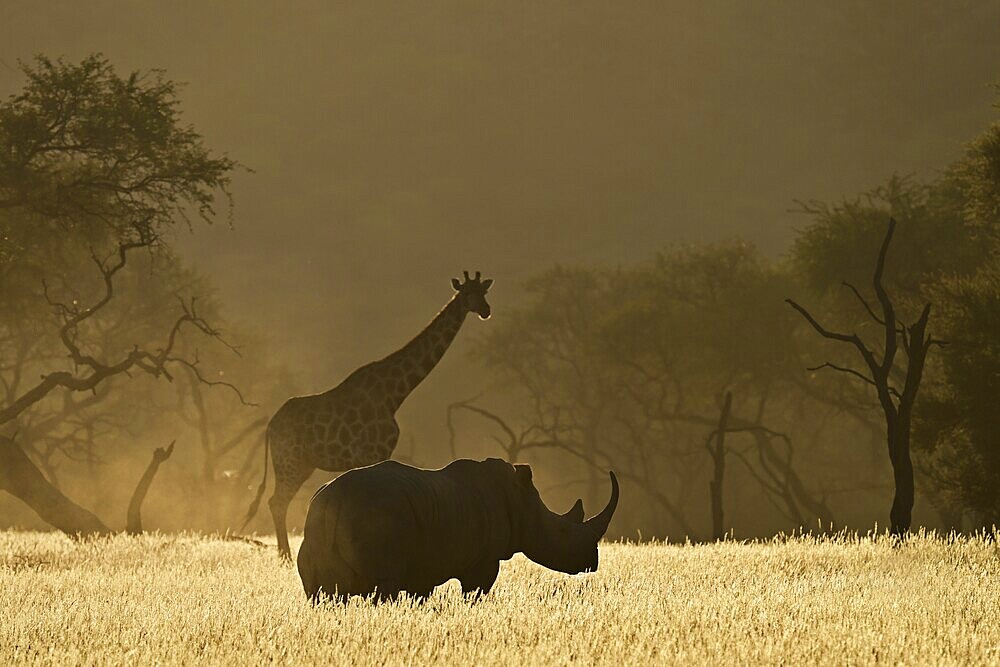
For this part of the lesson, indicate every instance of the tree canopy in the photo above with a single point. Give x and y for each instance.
(85, 148)
(94, 169)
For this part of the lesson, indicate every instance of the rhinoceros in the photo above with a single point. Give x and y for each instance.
(391, 528)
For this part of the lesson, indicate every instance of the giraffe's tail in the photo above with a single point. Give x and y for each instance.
(260, 489)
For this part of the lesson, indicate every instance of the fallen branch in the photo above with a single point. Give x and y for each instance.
(133, 524)
(22, 479)
(232, 537)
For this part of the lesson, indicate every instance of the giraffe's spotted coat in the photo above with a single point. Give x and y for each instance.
(354, 424)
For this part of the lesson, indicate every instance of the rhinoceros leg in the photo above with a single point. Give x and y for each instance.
(421, 595)
(388, 591)
(480, 578)
(322, 595)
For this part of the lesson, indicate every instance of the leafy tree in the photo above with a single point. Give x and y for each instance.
(628, 369)
(944, 252)
(841, 243)
(975, 178)
(883, 371)
(94, 169)
(89, 151)
(960, 421)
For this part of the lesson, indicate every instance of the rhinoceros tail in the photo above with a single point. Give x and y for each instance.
(260, 489)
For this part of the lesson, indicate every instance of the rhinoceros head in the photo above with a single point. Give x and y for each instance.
(563, 542)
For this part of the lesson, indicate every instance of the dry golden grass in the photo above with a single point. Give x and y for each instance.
(194, 600)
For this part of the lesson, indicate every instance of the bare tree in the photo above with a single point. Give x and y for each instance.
(21, 477)
(540, 436)
(718, 454)
(773, 471)
(215, 440)
(512, 444)
(883, 373)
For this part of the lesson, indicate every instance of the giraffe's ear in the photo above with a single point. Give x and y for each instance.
(455, 283)
(487, 283)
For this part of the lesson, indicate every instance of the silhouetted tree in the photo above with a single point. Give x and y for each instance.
(87, 374)
(133, 517)
(220, 429)
(716, 446)
(624, 368)
(84, 148)
(882, 374)
(944, 251)
(959, 421)
(90, 160)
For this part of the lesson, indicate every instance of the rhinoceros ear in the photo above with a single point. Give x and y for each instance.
(523, 474)
(576, 512)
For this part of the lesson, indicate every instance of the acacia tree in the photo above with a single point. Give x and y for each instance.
(82, 145)
(884, 373)
(945, 252)
(716, 446)
(625, 368)
(703, 322)
(94, 168)
(959, 421)
(957, 432)
(226, 426)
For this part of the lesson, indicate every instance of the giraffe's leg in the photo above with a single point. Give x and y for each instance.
(287, 483)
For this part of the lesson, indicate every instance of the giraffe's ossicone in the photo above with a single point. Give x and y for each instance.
(354, 424)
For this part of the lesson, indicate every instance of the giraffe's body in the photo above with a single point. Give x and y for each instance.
(354, 424)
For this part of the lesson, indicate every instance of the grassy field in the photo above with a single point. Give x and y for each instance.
(188, 599)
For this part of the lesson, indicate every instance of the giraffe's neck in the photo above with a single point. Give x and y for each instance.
(404, 369)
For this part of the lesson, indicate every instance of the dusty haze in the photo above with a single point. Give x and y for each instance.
(392, 146)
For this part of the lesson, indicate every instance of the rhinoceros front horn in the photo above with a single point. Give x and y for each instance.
(599, 524)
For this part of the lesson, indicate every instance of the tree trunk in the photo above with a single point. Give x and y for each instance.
(719, 469)
(901, 514)
(794, 492)
(22, 479)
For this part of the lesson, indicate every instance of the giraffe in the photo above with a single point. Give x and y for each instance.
(354, 424)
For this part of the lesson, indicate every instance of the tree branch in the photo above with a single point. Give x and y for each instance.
(864, 302)
(851, 371)
(152, 363)
(232, 443)
(889, 313)
(192, 366)
(820, 329)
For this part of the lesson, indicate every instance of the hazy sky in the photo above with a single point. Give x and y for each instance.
(394, 146)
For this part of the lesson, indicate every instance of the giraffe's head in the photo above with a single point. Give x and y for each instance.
(472, 294)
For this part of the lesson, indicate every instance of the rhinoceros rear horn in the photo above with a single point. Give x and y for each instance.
(599, 524)
(575, 513)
